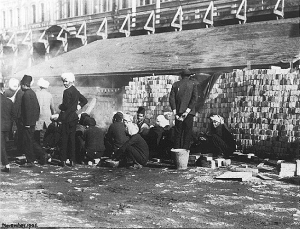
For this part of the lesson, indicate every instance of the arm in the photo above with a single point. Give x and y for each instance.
(172, 100)
(66, 103)
(82, 100)
(52, 106)
(194, 98)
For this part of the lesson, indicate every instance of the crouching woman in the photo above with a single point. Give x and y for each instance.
(135, 149)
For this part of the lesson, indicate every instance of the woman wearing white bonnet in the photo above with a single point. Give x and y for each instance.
(219, 137)
(46, 108)
(158, 137)
(135, 149)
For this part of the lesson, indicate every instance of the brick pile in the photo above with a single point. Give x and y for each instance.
(262, 109)
(151, 92)
(260, 106)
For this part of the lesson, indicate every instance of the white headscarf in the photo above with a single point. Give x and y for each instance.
(69, 76)
(13, 84)
(132, 128)
(162, 121)
(43, 83)
(217, 118)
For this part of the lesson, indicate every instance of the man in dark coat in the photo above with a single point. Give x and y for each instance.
(116, 134)
(72, 101)
(183, 98)
(142, 122)
(7, 117)
(135, 148)
(93, 137)
(30, 111)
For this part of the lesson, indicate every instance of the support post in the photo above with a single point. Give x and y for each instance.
(242, 18)
(210, 9)
(103, 34)
(178, 16)
(126, 31)
(276, 11)
(151, 18)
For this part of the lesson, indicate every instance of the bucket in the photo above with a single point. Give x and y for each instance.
(181, 158)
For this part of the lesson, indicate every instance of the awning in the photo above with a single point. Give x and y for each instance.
(234, 46)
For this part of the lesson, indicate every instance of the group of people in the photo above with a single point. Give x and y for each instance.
(131, 142)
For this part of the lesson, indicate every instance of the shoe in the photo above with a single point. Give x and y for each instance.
(71, 164)
(136, 166)
(62, 164)
(28, 165)
(5, 170)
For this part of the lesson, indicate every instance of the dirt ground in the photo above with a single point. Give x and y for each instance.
(155, 196)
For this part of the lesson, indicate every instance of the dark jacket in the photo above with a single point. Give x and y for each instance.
(18, 102)
(71, 97)
(116, 135)
(30, 108)
(8, 114)
(139, 144)
(94, 139)
(183, 95)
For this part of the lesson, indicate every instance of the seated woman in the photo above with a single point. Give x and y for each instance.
(116, 135)
(158, 137)
(135, 149)
(218, 140)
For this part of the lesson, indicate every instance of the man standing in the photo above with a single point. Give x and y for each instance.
(45, 100)
(30, 112)
(73, 100)
(7, 117)
(183, 98)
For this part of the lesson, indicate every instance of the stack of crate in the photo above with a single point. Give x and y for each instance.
(262, 109)
(151, 92)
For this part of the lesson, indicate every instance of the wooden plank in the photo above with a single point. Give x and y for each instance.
(240, 176)
(217, 47)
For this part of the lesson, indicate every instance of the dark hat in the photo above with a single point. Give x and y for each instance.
(118, 117)
(186, 72)
(90, 121)
(26, 80)
(141, 110)
(83, 117)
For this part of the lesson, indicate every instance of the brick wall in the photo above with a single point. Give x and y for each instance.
(261, 107)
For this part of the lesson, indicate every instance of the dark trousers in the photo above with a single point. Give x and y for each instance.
(68, 140)
(33, 151)
(183, 132)
(20, 137)
(4, 136)
(135, 155)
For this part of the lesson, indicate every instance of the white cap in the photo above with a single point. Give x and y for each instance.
(69, 76)
(13, 84)
(43, 83)
(132, 129)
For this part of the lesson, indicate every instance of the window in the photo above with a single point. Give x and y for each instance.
(11, 18)
(4, 19)
(68, 8)
(33, 14)
(18, 17)
(42, 12)
(60, 9)
(76, 8)
(85, 7)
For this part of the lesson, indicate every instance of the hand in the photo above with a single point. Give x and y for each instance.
(27, 127)
(184, 115)
(177, 117)
(78, 107)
